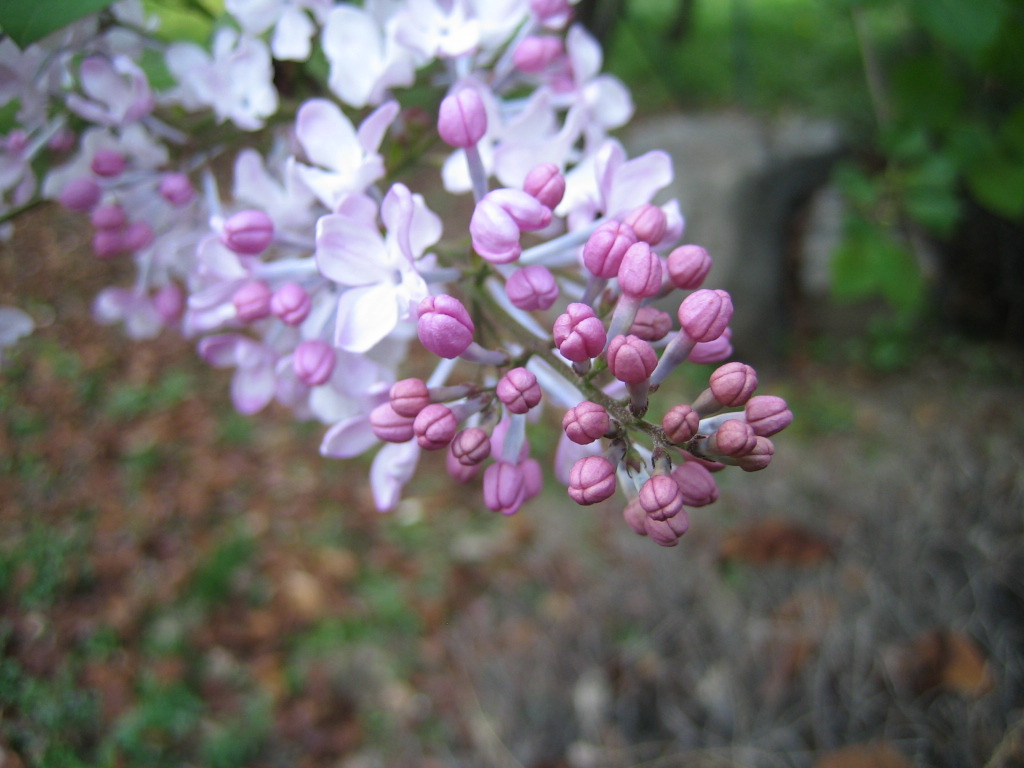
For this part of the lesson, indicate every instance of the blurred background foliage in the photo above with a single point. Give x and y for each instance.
(930, 97)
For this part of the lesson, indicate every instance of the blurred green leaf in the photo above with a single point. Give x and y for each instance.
(925, 94)
(969, 27)
(870, 262)
(27, 21)
(930, 194)
(998, 183)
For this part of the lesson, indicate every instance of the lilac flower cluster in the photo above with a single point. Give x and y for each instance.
(313, 277)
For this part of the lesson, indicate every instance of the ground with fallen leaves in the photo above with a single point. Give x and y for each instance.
(180, 585)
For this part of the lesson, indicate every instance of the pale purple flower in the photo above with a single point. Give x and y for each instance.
(235, 79)
(437, 29)
(345, 161)
(384, 287)
(14, 324)
(290, 19)
(129, 306)
(253, 383)
(288, 200)
(393, 467)
(365, 58)
(117, 92)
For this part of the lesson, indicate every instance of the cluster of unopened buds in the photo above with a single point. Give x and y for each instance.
(313, 278)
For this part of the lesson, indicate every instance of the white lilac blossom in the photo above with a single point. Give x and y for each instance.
(535, 300)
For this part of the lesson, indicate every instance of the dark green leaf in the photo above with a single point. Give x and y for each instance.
(969, 27)
(925, 93)
(998, 184)
(27, 21)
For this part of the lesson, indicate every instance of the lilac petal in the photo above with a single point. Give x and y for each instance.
(372, 129)
(348, 438)
(392, 468)
(349, 252)
(638, 180)
(292, 35)
(610, 102)
(253, 386)
(365, 316)
(584, 52)
(327, 136)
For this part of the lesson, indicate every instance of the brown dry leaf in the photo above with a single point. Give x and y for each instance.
(875, 755)
(775, 541)
(941, 659)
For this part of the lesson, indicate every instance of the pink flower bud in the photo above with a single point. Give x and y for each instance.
(579, 334)
(533, 478)
(767, 414)
(712, 351)
(688, 266)
(62, 141)
(389, 426)
(648, 222)
(518, 390)
(586, 422)
(248, 232)
(169, 302)
(462, 118)
(734, 438)
(732, 384)
(532, 288)
(108, 217)
(504, 487)
(651, 324)
(471, 446)
(591, 479)
(705, 314)
(177, 189)
(667, 533)
(138, 235)
(534, 54)
(604, 249)
(546, 183)
(435, 426)
(108, 243)
(445, 327)
(80, 194)
(291, 304)
(635, 516)
(108, 163)
(696, 484)
(460, 473)
(498, 220)
(640, 271)
(252, 301)
(660, 497)
(409, 397)
(758, 457)
(680, 423)
(313, 362)
(631, 359)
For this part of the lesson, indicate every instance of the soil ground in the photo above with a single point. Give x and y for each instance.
(180, 585)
